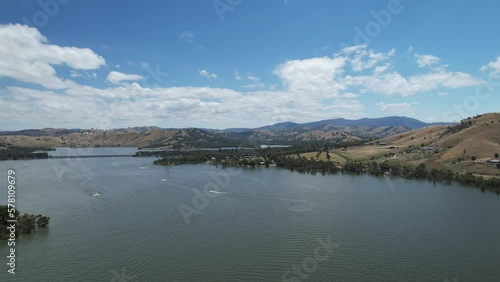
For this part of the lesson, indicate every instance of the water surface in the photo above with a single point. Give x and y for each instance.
(118, 219)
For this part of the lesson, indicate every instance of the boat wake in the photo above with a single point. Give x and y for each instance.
(217, 192)
(90, 187)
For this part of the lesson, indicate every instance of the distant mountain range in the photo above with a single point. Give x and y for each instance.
(407, 122)
(331, 130)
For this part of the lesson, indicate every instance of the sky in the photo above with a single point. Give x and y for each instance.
(244, 63)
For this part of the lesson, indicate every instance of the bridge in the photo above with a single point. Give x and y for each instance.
(90, 156)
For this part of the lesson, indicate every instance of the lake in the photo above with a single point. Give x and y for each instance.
(124, 219)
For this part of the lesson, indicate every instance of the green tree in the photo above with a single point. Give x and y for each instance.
(27, 223)
(42, 221)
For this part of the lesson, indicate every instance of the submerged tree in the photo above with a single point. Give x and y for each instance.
(26, 223)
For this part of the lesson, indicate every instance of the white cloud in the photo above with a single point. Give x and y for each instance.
(206, 74)
(85, 74)
(26, 56)
(442, 94)
(252, 80)
(426, 60)
(324, 77)
(74, 73)
(361, 58)
(394, 83)
(116, 77)
(349, 95)
(493, 68)
(316, 76)
(400, 108)
(381, 69)
(255, 82)
(313, 89)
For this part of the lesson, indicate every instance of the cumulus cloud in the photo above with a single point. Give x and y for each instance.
(26, 56)
(325, 76)
(426, 60)
(85, 74)
(381, 69)
(493, 68)
(312, 89)
(394, 83)
(315, 75)
(116, 77)
(206, 74)
(73, 73)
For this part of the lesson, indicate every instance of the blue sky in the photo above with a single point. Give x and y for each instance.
(242, 63)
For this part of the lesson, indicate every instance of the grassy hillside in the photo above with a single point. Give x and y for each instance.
(190, 137)
(125, 138)
(465, 147)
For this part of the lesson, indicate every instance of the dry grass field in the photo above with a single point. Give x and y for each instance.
(90, 138)
(467, 150)
(333, 157)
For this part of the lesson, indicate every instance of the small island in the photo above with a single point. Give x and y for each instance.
(8, 152)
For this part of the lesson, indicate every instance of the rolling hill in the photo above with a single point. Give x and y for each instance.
(464, 147)
(391, 121)
(332, 130)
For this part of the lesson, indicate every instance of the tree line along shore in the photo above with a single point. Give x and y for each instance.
(289, 158)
